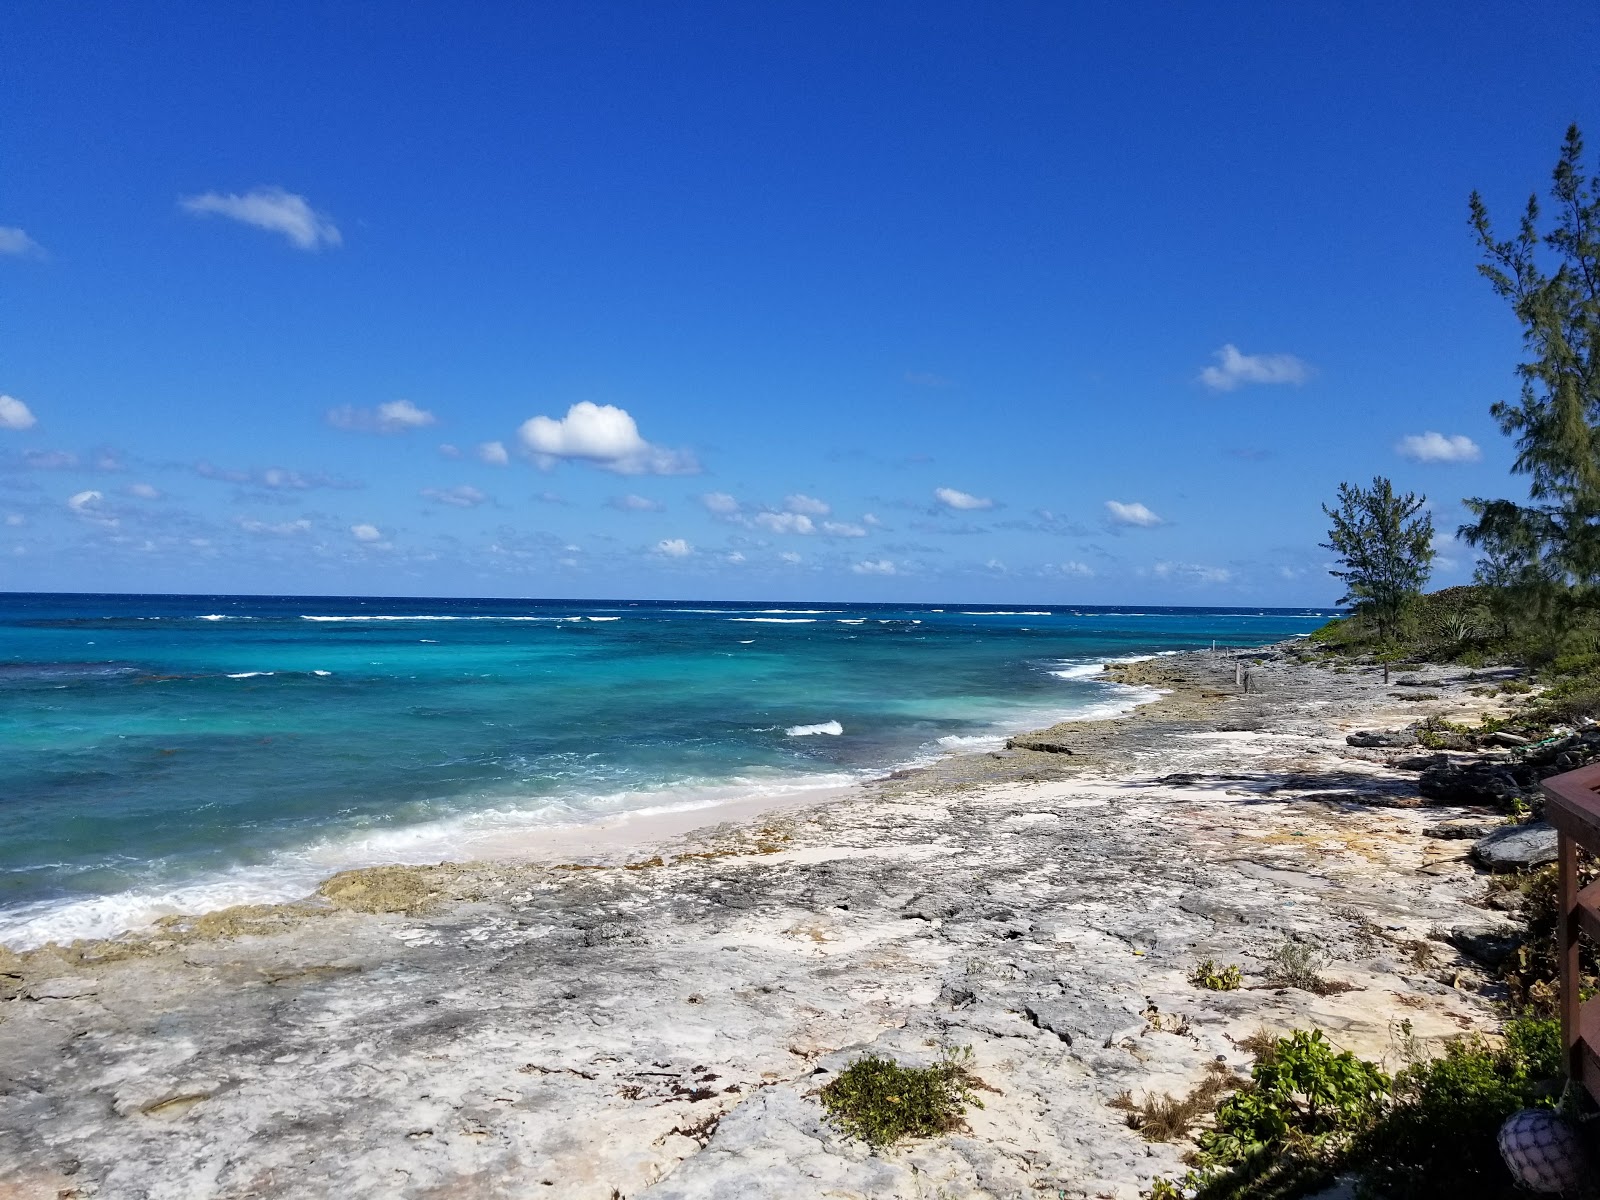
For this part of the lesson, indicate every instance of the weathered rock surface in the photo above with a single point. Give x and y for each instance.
(1473, 783)
(658, 1025)
(1397, 739)
(1517, 847)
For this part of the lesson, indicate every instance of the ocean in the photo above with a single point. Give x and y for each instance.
(184, 753)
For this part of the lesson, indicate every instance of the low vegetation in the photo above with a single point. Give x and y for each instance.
(1212, 978)
(1311, 1112)
(879, 1101)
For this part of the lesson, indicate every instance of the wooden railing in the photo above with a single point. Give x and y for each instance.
(1572, 805)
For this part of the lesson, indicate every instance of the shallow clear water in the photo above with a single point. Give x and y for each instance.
(164, 753)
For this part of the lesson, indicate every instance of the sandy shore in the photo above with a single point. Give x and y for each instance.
(653, 1020)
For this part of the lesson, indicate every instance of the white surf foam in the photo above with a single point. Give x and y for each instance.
(832, 728)
(251, 674)
(292, 875)
(776, 620)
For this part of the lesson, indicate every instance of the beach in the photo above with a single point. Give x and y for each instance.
(653, 1014)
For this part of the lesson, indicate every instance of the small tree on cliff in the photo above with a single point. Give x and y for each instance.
(1385, 550)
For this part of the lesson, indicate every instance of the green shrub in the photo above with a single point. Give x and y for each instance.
(1216, 979)
(1438, 1137)
(879, 1101)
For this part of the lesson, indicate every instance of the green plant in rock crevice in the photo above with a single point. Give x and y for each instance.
(1217, 979)
(879, 1101)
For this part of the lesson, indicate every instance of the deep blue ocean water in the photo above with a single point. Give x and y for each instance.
(167, 753)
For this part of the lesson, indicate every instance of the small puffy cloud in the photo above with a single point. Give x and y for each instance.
(961, 501)
(86, 505)
(603, 436)
(1131, 514)
(14, 414)
(15, 520)
(1074, 568)
(17, 244)
(881, 566)
(1436, 447)
(84, 500)
(809, 505)
(143, 491)
(275, 528)
(674, 548)
(366, 533)
(719, 503)
(635, 503)
(464, 496)
(784, 522)
(1234, 368)
(733, 556)
(871, 521)
(448, 450)
(396, 416)
(790, 557)
(842, 529)
(1191, 572)
(272, 209)
(494, 453)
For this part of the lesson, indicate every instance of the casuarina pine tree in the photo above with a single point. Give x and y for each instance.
(1548, 550)
(1385, 550)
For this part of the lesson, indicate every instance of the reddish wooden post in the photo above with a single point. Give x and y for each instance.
(1567, 933)
(1572, 805)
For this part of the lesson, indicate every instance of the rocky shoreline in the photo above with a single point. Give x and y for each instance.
(657, 1024)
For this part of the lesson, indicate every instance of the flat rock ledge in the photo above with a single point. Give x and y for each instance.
(657, 1024)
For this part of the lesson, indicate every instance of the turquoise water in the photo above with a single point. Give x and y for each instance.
(181, 753)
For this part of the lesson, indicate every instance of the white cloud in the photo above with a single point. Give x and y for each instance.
(870, 520)
(881, 566)
(14, 414)
(1191, 572)
(15, 520)
(810, 505)
(1074, 568)
(272, 209)
(1233, 368)
(395, 416)
(84, 500)
(366, 533)
(447, 450)
(15, 242)
(789, 556)
(734, 557)
(275, 529)
(842, 529)
(720, 503)
(785, 522)
(1436, 447)
(494, 453)
(604, 436)
(961, 501)
(674, 548)
(464, 496)
(635, 503)
(143, 491)
(1131, 514)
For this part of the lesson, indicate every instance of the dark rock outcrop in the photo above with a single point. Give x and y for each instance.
(1517, 847)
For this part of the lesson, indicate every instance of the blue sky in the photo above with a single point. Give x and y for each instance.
(990, 302)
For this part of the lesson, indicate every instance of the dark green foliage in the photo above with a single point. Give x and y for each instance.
(879, 1101)
(1385, 550)
(1311, 1113)
(1451, 625)
(1438, 1137)
(1300, 1096)
(1544, 557)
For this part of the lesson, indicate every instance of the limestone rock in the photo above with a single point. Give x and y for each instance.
(1517, 847)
